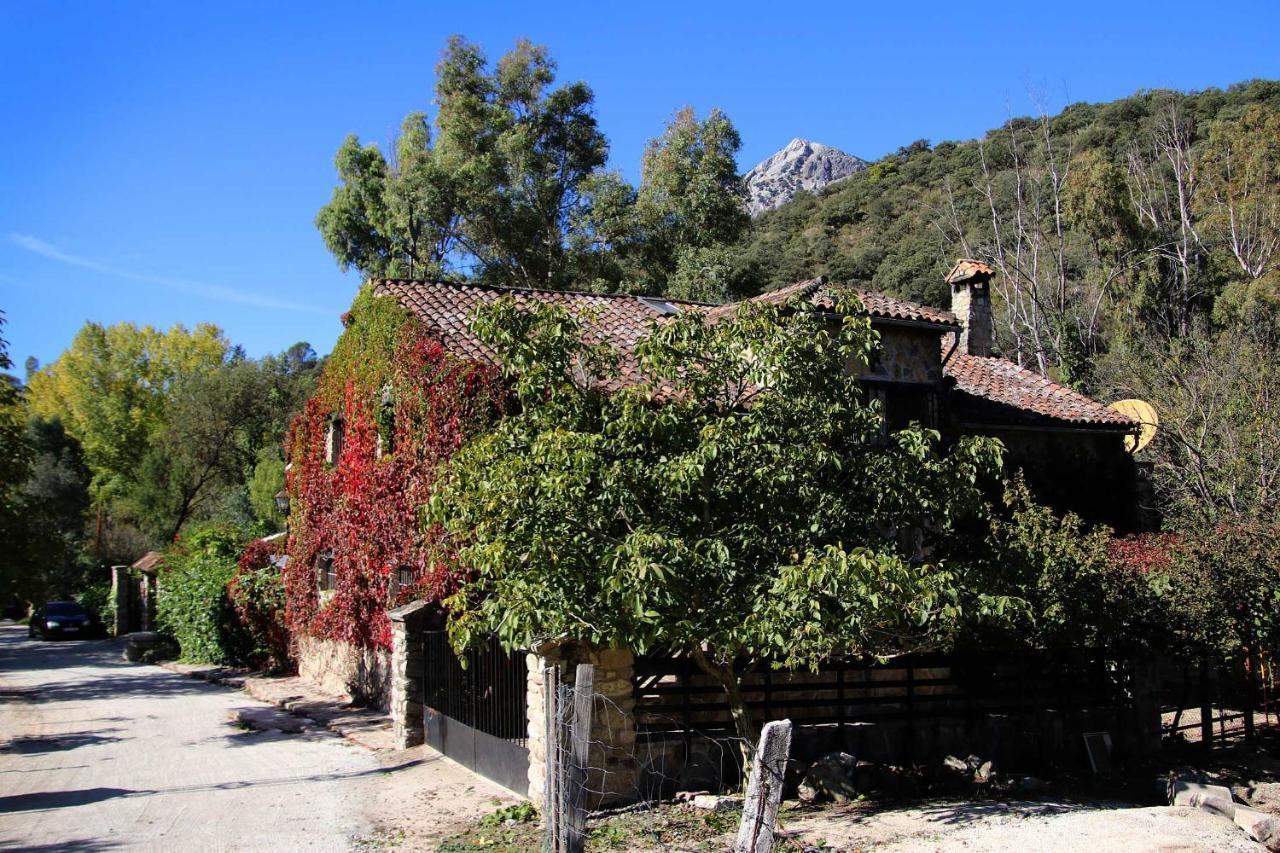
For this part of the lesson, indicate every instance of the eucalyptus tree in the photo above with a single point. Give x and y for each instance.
(493, 194)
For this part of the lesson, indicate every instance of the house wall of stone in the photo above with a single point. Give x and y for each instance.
(906, 355)
(346, 669)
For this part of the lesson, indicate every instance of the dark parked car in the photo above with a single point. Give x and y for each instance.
(60, 619)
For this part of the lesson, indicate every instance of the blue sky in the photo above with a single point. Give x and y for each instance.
(163, 162)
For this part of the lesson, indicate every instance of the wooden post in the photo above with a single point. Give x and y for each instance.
(1250, 697)
(583, 697)
(552, 818)
(1206, 706)
(910, 746)
(764, 789)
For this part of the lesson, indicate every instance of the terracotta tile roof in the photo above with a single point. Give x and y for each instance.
(818, 291)
(448, 308)
(966, 269)
(989, 389)
(995, 390)
(149, 562)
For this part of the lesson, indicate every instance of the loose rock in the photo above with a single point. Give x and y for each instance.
(715, 803)
(830, 777)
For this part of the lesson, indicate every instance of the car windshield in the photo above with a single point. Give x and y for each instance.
(63, 608)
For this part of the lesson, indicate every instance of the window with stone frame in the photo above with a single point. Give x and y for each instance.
(326, 574)
(401, 578)
(386, 420)
(333, 441)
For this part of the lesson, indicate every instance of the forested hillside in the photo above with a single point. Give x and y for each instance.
(1096, 189)
(1135, 244)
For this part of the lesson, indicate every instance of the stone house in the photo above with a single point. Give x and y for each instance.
(938, 367)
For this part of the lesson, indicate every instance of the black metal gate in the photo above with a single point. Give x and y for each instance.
(477, 715)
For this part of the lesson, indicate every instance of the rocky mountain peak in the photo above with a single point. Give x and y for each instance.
(802, 165)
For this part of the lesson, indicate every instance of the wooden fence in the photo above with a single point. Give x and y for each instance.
(1023, 708)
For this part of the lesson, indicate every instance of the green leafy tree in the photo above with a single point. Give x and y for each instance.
(1066, 591)
(56, 498)
(16, 571)
(1216, 456)
(266, 482)
(193, 606)
(1224, 594)
(1240, 167)
(109, 389)
(690, 207)
(741, 502)
(214, 425)
(397, 219)
(493, 195)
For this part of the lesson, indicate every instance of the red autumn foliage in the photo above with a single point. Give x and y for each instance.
(257, 595)
(365, 510)
(1143, 552)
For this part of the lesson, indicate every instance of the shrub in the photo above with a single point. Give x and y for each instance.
(257, 593)
(1073, 586)
(192, 605)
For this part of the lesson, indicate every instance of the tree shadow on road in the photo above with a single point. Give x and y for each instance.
(39, 744)
(51, 800)
(48, 800)
(78, 845)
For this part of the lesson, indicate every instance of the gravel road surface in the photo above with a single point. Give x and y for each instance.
(98, 754)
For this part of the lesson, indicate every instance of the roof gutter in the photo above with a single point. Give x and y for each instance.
(879, 319)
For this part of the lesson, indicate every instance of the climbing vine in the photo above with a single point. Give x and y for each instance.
(257, 594)
(404, 404)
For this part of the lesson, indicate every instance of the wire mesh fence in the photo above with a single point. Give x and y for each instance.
(595, 766)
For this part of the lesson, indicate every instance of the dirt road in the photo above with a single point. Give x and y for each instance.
(97, 754)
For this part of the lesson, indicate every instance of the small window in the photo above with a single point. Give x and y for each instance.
(386, 423)
(401, 578)
(333, 441)
(905, 404)
(662, 306)
(326, 575)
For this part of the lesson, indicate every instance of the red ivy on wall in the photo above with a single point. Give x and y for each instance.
(389, 377)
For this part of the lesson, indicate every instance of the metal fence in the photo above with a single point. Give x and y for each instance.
(475, 708)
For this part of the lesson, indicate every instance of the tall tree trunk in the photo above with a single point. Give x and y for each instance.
(748, 732)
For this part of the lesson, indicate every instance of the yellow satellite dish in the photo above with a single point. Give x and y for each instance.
(1144, 414)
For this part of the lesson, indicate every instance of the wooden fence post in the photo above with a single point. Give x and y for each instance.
(583, 697)
(551, 814)
(1206, 706)
(764, 790)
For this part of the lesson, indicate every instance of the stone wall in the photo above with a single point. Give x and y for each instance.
(407, 690)
(346, 669)
(613, 775)
(905, 354)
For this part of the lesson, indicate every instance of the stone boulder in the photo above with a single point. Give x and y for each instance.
(831, 777)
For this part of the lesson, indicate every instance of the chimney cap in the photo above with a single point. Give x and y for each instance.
(967, 270)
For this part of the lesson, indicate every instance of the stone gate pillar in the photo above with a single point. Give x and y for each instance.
(613, 775)
(121, 600)
(407, 693)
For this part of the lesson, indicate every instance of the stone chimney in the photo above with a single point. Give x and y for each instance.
(971, 303)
